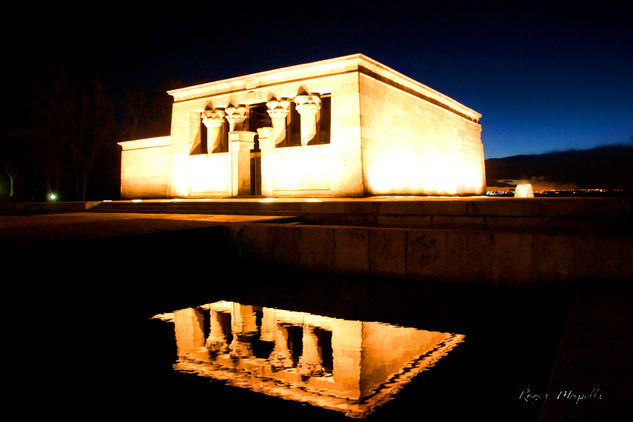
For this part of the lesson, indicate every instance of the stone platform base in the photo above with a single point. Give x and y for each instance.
(599, 215)
(502, 241)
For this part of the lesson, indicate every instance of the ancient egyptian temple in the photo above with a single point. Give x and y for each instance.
(348, 126)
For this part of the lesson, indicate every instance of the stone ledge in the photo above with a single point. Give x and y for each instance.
(25, 208)
(606, 215)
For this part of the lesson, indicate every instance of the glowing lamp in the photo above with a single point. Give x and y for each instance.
(524, 191)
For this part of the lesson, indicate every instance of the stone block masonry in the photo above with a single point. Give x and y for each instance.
(455, 255)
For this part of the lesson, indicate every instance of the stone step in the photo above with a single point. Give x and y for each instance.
(599, 215)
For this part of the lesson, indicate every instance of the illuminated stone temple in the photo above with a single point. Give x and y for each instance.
(348, 126)
(341, 365)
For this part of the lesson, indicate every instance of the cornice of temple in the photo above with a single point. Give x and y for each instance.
(324, 68)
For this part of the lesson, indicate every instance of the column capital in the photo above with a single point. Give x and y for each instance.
(213, 118)
(235, 115)
(308, 103)
(278, 108)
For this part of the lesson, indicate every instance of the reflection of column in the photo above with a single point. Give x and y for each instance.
(267, 149)
(216, 342)
(281, 357)
(213, 120)
(241, 346)
(235, 116)
(278, 111)
(308, 106)
(244, 320)
(310, 361)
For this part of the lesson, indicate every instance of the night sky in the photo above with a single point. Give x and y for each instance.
(545, 77)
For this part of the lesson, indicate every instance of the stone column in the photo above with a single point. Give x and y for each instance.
(235, 116)
(308, 107)
(213, 121)
(278, 111)
(280, 357)
(267, 149)
(310, 360)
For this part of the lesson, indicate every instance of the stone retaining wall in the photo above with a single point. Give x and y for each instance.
(482, 256)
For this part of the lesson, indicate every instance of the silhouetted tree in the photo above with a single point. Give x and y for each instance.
(9, 169)
(146, 114)
(71, 118)
(160, 107)
(93, 128)
(133, 108)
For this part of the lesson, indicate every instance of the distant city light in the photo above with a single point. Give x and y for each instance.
(52, 196)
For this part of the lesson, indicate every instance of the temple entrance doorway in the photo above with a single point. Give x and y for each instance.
(256, 170)
(257, 117)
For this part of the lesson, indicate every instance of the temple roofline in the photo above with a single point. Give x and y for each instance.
(330, 67)
(159, 141)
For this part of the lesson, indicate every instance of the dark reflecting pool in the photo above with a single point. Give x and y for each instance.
(241, 339)
(342, 365)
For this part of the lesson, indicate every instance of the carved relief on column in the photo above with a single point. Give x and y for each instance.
(235, 116)
(308, 107)
(280, 357)
(278, 111)
(213, 121)
(310, 360)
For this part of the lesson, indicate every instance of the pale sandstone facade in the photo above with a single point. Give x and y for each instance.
(359, 127)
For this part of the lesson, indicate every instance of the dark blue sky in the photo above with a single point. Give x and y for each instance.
(545, 76)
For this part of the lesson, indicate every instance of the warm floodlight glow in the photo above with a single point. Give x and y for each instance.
(312, 200)
(342, 365)
(315, 144)
(268, 200)
(137, 200)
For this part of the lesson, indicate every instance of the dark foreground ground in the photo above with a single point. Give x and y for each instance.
(81, 343)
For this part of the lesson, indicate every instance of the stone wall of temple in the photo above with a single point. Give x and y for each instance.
(412, 146)
(326, 170)
(145, 168)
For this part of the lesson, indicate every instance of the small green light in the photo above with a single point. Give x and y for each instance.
(52, 196)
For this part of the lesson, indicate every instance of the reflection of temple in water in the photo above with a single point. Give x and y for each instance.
(342, 365)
